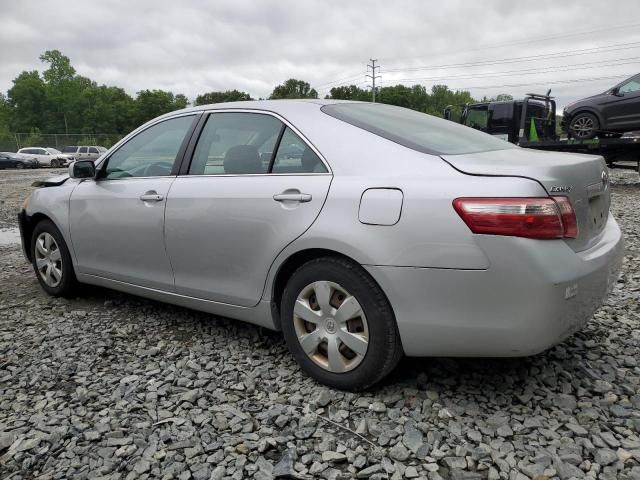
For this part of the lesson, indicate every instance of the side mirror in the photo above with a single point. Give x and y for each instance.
(82, 169)
(617, 93)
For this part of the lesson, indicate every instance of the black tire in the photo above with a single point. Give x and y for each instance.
(68, 285)
(384, 348)
(584, 126)
(54, 163)
(19, 165)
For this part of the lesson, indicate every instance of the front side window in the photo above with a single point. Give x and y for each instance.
(415, 130)
(93, 150)
(235, 143)
(295, 156)
(53, 151)
(82, 150)
(151, 153)
(69, 149)
(631, 86)
(42, 152)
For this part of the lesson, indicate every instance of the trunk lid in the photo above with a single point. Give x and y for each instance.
(584, 176)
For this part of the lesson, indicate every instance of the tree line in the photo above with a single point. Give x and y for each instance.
(58, 100)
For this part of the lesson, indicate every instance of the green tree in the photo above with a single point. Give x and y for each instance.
(504, 97)
(27, 100)
(293, 88)
(221, 97)
(152, 103)
(350, 92)
(441, 97)
(63, 89)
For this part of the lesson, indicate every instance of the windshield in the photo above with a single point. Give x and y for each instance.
(415, 130)
(52, 150)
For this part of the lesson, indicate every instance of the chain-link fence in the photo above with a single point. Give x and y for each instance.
(15, 141)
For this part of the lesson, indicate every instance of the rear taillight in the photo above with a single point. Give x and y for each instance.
(568, 215)
(542, 217)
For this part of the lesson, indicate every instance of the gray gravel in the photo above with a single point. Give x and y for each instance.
(113, 386)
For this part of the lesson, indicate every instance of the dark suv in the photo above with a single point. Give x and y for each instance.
(607, 114)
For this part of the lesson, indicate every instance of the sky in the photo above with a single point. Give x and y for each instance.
(576, 48)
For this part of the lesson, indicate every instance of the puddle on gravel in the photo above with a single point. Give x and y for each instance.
(9, 236)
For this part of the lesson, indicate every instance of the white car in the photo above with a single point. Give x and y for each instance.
(47, 156)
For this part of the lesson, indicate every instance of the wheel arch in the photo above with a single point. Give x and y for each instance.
(29, 225)
(590, 110)
(290, 265)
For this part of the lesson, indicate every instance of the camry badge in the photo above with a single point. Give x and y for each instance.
(561, 188)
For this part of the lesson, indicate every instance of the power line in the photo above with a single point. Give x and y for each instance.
(486, 47)
(373, 76)
(538, 39)
(544, 56)
(531, 71)
(341, 79)
(575, 80)
(532, 58)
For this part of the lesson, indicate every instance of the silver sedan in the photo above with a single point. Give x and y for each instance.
(361, 231)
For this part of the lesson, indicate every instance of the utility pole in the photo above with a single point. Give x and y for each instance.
(373, 76)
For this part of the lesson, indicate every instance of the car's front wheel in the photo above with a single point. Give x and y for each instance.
(338, 324)
(52, 261)
(584, 126)
(55, 163)
(19, 165)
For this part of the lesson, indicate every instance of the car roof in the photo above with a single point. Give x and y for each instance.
(276, 106)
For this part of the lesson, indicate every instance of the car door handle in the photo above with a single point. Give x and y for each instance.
(292, 197)
(151, 197)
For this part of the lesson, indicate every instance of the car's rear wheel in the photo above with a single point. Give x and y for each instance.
(584, 126)
(51, 260)
(338, 324)
(55, 163)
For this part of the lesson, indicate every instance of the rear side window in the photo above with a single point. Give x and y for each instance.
(295, 156)
(415, 130)
(236, 143)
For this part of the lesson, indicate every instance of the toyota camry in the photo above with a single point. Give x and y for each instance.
(363, 232)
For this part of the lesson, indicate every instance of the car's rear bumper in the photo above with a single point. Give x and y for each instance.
(534, 295)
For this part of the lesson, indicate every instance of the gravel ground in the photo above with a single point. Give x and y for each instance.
(113, 386)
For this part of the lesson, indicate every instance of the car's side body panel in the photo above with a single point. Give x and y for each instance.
(223, 231)
(118, 236)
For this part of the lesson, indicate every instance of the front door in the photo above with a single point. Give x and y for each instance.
(622, 111)
(240, 205)
(117, 220)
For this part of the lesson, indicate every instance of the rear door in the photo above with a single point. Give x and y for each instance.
(228, 217)
(117, 220)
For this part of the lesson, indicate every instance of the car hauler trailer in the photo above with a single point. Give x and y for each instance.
(531, 123)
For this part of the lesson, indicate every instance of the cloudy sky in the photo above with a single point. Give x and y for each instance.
(576, 48)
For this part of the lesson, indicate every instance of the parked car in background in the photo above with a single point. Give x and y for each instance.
(607, 114)
(13, 160)
(47, 156)
(393, 232)
(84, 152)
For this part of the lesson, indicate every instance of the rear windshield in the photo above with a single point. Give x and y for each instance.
(416, 130)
